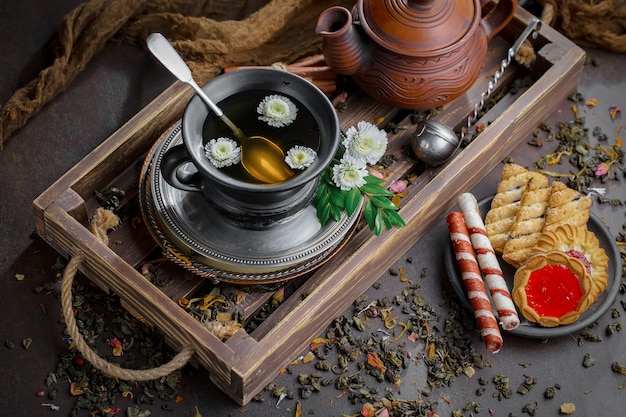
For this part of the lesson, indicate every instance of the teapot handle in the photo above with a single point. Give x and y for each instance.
(498, 17)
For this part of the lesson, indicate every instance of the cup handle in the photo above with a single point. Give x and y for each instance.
(498, 17)
(172, 169)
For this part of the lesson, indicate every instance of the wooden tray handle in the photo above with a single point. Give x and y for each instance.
(104, 220)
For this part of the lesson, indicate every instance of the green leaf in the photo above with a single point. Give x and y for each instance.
(323, 213)
(369, 212)
(395, 218)
(379, 223)
(383, 203)
(352, 200)
(375, 189)
(370, 179)
(335, 213)
(384, 219)
(337, 198)
(322, 199)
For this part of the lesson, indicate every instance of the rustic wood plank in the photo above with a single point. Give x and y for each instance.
(121, 149)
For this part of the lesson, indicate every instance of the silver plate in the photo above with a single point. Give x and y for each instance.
(188, 222)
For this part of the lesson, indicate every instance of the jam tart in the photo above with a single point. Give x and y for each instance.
(580, 243)
(553, 289)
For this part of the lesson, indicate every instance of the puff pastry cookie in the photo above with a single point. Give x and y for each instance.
(529, 220)
(506, 203)
(566, 206)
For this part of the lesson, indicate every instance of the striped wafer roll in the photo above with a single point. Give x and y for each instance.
(473, 282)
(489, 265)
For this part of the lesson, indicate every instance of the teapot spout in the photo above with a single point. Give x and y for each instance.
(342, 45)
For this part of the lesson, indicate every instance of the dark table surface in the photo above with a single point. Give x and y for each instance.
(116, 84)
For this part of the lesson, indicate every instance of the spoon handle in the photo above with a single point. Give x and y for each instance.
(163, 50)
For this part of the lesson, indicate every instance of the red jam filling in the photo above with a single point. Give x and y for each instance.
(553, 291)
(582, 258)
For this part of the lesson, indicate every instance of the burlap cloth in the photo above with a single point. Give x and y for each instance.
(209, 34)
(212, 34)
(591, 23)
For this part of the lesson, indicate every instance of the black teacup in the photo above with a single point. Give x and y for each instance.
(231, 190)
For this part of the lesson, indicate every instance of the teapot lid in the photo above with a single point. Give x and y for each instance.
(412, 26)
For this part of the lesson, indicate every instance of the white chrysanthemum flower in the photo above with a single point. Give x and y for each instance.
(300, 157)
(349, 173)
(365, 142)
(277, 111)
(222, 152)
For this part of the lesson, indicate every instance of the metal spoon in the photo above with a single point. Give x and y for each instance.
(260, 157)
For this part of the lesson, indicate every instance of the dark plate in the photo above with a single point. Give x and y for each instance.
(532, 330)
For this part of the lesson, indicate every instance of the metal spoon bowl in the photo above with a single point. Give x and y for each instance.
(260, 157)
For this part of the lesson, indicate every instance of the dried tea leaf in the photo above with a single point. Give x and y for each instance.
(134, 411)
(27, 342)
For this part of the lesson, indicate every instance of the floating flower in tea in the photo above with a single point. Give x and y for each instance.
(349, 173)
(277, 111)
(300, 157)
(222, 152)
(365, 142)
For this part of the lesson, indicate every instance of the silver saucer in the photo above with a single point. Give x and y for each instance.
(198, 237)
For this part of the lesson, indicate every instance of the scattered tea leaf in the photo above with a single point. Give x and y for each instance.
(27, 342)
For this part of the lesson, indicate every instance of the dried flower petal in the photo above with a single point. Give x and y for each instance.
(602, 169)
(613, 111)
(592, 102)
(319, 341)
(398, 186)
(116, 346)
(413, 337)
(368, 410)
(75, 389)
(376, 173)
(374, 361)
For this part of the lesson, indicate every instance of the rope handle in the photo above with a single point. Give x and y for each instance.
(104, 220)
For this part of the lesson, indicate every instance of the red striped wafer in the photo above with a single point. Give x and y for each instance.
(489, 265)
(472, 280)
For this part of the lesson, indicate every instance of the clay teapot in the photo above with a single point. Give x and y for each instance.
(413, 54)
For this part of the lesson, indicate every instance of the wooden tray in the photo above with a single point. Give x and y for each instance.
(246, 362)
